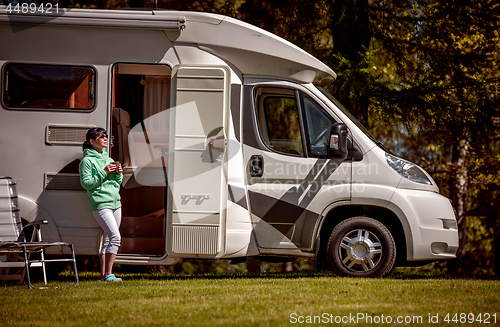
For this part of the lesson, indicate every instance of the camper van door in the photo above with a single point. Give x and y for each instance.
(290, 178)
(196, 178)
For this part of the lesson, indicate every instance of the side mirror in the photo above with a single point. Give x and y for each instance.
(337, 144)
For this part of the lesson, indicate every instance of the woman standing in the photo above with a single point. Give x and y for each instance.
(101, 176)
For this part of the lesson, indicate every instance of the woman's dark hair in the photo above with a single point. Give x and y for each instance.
(92, 134)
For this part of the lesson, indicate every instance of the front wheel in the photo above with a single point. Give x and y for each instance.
(361, 247)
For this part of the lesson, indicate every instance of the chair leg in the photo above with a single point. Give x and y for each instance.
(27, 267)
(42, 261)
(44, 273)
(42, 257)
(74, 264)
(22, 276)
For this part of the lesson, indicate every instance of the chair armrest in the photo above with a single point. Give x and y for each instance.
(36, 231)
(37, 223)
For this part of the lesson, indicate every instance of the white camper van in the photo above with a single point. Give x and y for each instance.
(230, 146)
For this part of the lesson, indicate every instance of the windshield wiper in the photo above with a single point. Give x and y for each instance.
(380, 145)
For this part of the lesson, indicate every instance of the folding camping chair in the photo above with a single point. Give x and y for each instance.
(13, 240)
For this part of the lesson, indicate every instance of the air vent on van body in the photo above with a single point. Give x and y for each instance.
(195, 239)
(66, 134)
(62, 182)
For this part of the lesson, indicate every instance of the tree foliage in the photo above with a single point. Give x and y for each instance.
(446, 63)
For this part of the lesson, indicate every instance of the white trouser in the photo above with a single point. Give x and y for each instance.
(109, 220)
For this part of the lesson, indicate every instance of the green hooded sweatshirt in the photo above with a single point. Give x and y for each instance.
(102, 188)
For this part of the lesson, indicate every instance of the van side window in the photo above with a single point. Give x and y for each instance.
(279, 121)
(48, 86)
(317, 126)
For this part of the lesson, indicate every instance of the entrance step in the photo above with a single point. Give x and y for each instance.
(143, 235)
(143, 246)
(148, 227)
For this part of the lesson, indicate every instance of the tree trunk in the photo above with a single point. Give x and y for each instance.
(352, 16)
(253, 265)
(496, 248)
(459, 191)
(287, 267)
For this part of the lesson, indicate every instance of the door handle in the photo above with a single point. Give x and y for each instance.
(218, 143)
(256, 166)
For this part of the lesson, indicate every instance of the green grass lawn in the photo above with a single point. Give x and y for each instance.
(271, 299)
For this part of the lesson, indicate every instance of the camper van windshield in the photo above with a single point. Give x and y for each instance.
(344, 110)
(352, 118)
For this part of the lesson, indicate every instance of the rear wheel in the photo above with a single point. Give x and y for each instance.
(361, 247)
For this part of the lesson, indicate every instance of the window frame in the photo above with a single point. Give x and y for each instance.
(75, 110)
(298, 95)
(258, 102)
(305, 121)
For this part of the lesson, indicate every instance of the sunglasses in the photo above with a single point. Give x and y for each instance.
(102, 136)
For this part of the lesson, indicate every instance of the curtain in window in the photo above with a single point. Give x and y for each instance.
(156, 100)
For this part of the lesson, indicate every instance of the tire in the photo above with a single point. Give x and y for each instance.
(361, 247)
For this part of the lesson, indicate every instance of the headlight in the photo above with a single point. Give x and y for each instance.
(407, 169)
